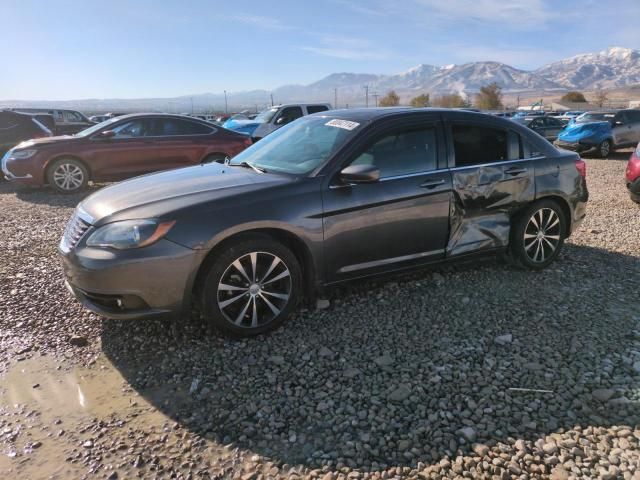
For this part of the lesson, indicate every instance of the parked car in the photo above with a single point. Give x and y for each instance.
(67, 122)
(16, 127)
(548, 127)
(121, 147)
(632, 175)
(328, 198)
(273, 118)
(99, 118)
(601, 132)
(566, 117)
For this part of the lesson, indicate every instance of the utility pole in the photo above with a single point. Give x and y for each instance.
(366, 95)
(375, 96)
(226, 105)
(518, 101)
(335, 98)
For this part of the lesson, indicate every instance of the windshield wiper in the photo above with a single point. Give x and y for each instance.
(246, 164)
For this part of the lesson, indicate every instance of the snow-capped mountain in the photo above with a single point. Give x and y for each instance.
(614, 67)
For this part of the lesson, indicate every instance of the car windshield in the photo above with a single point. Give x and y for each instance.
(266, 115)
(595, 117)
(93, 129)
(299, 147)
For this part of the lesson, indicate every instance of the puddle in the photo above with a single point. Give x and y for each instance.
(48, 410)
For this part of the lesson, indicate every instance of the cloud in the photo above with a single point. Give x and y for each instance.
(269, 23)
(359, 8)
(512, 14)
(348, 48)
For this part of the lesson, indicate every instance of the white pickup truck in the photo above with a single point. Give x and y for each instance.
(274, 117)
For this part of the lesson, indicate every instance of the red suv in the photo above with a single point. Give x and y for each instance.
(119, 148)
(633, 175)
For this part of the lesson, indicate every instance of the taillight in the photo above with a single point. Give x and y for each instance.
(581, 166)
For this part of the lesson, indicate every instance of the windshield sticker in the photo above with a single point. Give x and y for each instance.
(346, 124)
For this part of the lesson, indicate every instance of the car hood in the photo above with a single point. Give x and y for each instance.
(160, 194)
(575, 131)
(231, 124)
(40, 142)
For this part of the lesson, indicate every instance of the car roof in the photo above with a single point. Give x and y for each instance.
(370, 114)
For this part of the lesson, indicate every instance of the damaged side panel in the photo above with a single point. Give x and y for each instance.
(484, 198)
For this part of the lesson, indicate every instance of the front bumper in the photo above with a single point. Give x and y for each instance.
(578, 147)
(24, 178)
(154, 281)
(634, 189)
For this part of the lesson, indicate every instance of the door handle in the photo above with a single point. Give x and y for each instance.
(432, 184)
(515, 171)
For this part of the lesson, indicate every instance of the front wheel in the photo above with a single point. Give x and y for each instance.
(604, 149)
(252, 287)
(537, 235)
(67, 175)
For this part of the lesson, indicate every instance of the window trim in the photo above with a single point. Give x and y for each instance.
(451, 148)
(375, 137)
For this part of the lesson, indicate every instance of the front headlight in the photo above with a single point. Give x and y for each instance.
(18, 154)
(129, 234)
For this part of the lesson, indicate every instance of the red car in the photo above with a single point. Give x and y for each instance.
(119, 148)
(633, 175)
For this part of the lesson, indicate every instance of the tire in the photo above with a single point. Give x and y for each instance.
(215, 158)
(605, 148)
(533, 247)
(236, 303)
(67, 175)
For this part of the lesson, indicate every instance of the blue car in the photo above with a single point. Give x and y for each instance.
(601, 132)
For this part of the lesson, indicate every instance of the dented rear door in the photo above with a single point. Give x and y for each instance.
(490, 182)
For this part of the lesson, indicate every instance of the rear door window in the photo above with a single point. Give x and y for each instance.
(289, 114)
(316, 108)
(173, 127)
(405, 152)
(477, 145)
(71, 117)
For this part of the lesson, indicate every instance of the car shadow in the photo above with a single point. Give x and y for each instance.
(449, 347)
(47, 196)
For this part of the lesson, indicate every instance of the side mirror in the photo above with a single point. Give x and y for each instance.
(360, 174)
(107, 134)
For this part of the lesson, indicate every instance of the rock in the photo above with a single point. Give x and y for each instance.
(550, 448)
(399, 394)
(113, 476)
(88, 444)
(505, 339)
(468, 433)
(480, 449)
(277, 359)
(403, 445)
(322, 304)
(602, 394)
(383, 361)
(520, 445)
(351, 372)
(325, 352)
(559, 473)
(636, 367)
(78, 341)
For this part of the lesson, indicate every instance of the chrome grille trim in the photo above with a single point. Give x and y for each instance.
(75, 229)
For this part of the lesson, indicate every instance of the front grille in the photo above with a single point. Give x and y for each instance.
(76, 228)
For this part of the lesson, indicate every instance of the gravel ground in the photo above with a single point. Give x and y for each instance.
(477, 371)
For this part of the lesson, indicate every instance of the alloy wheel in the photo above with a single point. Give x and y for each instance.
(542, 235)
(605, 148)
(68, 176)
(254, 289)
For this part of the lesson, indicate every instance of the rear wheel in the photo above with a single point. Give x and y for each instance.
(537, 236)
(604, 149)
(67, 175)
(252, 287)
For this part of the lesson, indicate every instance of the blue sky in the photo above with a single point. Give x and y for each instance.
(67, 49)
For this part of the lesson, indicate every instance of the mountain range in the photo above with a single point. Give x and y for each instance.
(615, 67)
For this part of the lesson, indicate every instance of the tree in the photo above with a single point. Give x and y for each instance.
(573, 97)
(420, 101)
(601, 97)
(391, 99)
(452, 100)
(490, 97)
